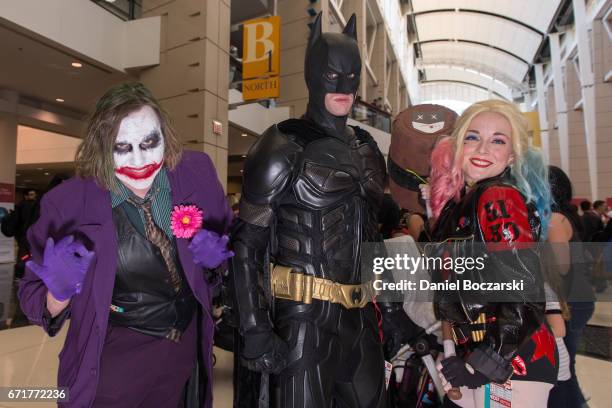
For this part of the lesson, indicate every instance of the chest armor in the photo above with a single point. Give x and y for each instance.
(336, 191)
(143, 296)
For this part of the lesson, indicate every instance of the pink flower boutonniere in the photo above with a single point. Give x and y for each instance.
(185, 220)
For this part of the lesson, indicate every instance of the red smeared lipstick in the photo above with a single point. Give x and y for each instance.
(480, 163)
(139, 173)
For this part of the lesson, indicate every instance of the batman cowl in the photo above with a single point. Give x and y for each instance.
(332, 65)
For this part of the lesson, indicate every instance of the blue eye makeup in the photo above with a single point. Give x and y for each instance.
(470, 137)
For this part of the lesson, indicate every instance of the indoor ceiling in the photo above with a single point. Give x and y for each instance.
(41, 71)
(246, 9)
(494, 42)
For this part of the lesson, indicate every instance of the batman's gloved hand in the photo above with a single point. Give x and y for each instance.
(264, 351)
(397, 328)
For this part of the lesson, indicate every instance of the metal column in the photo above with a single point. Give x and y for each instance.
(588, 91)
(542, 113)
(560, 102)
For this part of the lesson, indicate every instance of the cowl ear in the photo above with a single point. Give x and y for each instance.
(351, 27)
(315, 31)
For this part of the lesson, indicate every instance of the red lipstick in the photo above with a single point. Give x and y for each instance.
(139, 173)
(480, 162)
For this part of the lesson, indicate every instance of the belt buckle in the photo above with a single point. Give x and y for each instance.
(353, 296)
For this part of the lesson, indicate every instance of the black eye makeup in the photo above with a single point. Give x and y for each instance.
(122, 148)
(151, 141)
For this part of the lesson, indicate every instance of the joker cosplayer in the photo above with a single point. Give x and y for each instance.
(127, 250)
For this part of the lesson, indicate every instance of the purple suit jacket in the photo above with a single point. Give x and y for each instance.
(81, 207)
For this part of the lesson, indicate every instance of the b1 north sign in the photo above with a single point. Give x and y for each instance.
(261, 58)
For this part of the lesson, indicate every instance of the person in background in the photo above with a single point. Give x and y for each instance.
(585, 205)
(567, 266)
(600, 208)
(129, 250)
(591, 220)
(388, 215)
(412, 223)
(606, 238)
(574, 209)
(17, 318)
(16, 224)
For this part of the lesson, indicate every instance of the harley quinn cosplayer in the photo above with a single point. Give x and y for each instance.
(127, 250)
(489, 186)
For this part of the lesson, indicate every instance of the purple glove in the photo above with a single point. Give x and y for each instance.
(209, 249)
(64, 267)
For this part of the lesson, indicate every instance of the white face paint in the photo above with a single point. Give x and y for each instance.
(139, 150)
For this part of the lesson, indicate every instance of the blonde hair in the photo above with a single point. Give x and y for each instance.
(448, 156)
(518, 123)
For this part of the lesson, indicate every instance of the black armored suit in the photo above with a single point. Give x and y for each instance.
(312, 190)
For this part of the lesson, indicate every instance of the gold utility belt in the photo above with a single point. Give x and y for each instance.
(299, 287)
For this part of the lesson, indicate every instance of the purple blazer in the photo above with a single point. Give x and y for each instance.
(81, 207)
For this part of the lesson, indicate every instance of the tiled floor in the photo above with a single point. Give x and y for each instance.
(29, 357)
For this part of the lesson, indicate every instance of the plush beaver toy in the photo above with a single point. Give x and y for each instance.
(415, 132)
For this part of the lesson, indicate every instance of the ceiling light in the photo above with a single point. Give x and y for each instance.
(39, 168)
(59, 100)
(241, 171)
(47, 173)
(244, 135)
(244, 156)
(27, 181)
(77, 64)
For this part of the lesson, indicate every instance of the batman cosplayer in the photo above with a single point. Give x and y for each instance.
(311, 193)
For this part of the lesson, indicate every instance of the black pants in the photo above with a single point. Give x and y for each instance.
(335, 360)
(568, 393)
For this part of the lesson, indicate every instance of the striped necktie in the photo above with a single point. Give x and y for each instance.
(158, 237)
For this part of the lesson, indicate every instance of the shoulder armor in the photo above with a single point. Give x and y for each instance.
(268, 167)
